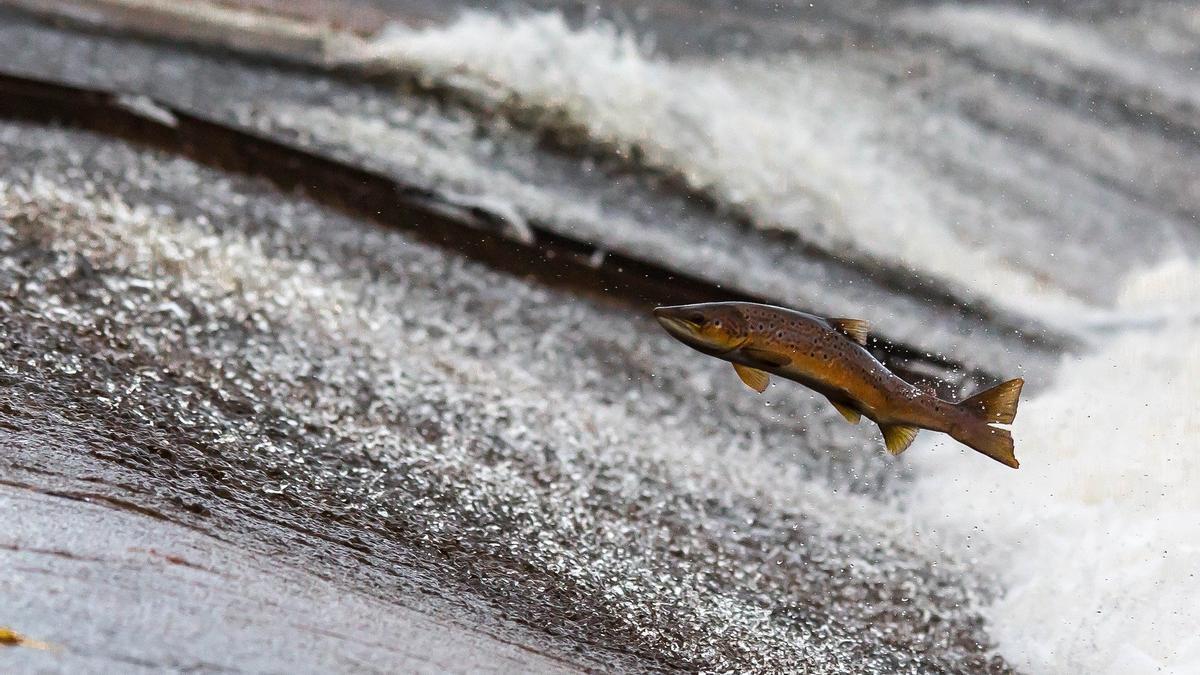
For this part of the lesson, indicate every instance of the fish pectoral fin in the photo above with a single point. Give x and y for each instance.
(898, 437)
(753, 377)
(855, 329)
(852, 416)
(767, 357)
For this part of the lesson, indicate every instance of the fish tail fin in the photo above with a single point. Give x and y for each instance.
(992, 441)
(997, 405)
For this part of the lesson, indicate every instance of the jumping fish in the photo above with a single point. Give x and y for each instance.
(829, 356)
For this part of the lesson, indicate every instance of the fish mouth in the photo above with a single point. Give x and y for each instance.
(688, 331)
(676, 325)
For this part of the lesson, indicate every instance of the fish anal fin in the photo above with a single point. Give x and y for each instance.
(852, 416)
(898, 437)
(753, 377)
(997, 405)
(766, 357)
(855, 329)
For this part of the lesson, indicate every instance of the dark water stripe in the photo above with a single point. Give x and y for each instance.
(551, 258)
(572, 138)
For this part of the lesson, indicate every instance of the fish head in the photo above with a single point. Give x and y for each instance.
(714, 328)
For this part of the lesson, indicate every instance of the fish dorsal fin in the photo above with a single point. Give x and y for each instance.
(753, 377)
(852, 416)
(767, 357)
(999, 404)
(898, 437)
(855, 329)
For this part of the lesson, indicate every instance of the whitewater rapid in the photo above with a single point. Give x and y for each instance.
(827, 149)
(1096, 536)
(1097, 539)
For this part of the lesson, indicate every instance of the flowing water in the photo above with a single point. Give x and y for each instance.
(979, 180)
(903, 154)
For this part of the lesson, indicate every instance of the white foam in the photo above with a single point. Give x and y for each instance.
(796, 144)
(1097, 536)
(1172, 287)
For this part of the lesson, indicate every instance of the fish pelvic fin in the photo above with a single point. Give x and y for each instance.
(855, 329)
(852, 416)
(753, 377)
(898, 437)
(992, 441)
(997, 405)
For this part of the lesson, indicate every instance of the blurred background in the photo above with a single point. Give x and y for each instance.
(325, 343)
